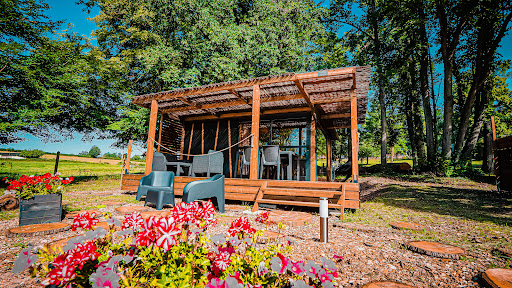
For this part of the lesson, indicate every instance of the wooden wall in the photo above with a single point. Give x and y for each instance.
(503, 163)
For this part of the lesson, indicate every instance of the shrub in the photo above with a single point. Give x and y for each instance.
(31, 153)
(27, 187)
(94, 152)
(171, 251)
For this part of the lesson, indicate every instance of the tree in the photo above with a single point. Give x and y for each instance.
(160, 45)
(48, 82)
(94, 151)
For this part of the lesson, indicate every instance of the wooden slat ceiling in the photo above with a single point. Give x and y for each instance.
(325, 93)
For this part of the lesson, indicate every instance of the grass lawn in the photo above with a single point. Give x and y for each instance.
(14, 168)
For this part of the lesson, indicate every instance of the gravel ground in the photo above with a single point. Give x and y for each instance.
(370, 252)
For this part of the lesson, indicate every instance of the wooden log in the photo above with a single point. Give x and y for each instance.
(151, 135)
(497, 278)
(407, 226)
(386, 284)
(123, 210)
(435, 249)
(9, 202)
(37, 229)
(255, 130)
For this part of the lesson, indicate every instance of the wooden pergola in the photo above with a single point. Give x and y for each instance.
(330, 99)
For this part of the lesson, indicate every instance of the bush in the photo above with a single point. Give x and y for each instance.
(171, 251)
(112, 156)
(94, 152)
(27, 187)
(31, 153)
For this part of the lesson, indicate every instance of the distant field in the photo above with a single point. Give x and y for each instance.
(14, 168)
(82, 159)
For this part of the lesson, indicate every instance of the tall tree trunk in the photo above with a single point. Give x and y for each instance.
(480, 111)
(424, 88)
(373, 15)
(449, 39)
(487, 44)
(410, 128)
(434, 104)
(416, 117)
(487, 155)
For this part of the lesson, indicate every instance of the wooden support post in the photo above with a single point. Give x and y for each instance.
(182, 144)
(255, 130)
(259, 196)
(216, 136)
(312, 153)
(229, 150)
(300, 142)
(329, 159)
(128, 157)
(151, 135)
(56, 163)
(493, 126)
(190, 141)
(202, 137)
(160, 132)
(353, 131)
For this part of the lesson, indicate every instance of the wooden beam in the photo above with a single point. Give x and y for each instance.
(339, 127)
(311, 105)
(300, 148)
(190, 141)
(151, 135)
(353, 130)
(128, 157)
(493, 127)
(234, 103)
(330, 101)
(216, 136)
(312, 152)
(329, 158)
(202, 138)
(160, 132)
(247, 114)
(335, 116)
(237, 95)
(182, 144)
(255, 130)
(229, 150)
(189, 103)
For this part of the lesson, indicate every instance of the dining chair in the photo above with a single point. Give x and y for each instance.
(246, 159)
(270, 157)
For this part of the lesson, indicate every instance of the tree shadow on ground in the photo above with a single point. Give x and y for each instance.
(473, 204)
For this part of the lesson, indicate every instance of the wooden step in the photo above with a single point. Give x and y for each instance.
(300, 192)
(295, 203)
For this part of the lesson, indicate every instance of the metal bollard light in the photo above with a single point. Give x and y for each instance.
(324, 217)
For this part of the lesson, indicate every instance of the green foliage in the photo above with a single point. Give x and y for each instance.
(94, 151)
(27, 187)
(31, 153)
(116, 156)
(159, 45)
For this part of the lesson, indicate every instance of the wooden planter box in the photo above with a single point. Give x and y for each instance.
(41, 209)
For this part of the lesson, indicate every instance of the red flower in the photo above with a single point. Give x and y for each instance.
(263, 217)
(48, 187)
(133, 221)
(185, 212)
(84, 221)
(241, 226)
(145, 238)
(168, 229)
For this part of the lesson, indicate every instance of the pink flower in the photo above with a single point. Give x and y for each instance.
(324, 276)
(263, 217)
(168, 229)
(215, 283)
(59, 276)
(297, 267)
(222, 261)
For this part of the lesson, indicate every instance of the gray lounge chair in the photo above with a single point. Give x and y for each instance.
(208, 188)
(270, 157)
(156, 181)
(211, 163)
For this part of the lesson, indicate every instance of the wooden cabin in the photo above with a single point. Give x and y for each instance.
(221, 116)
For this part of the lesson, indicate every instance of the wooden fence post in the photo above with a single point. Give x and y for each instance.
(151, 135)
(128, 157)
(56, 163)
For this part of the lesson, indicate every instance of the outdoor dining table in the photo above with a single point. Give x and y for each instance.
(179, 165)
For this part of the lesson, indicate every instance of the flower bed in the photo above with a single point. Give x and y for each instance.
(172, 251)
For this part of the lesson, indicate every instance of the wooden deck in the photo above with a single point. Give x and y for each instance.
(295, 193)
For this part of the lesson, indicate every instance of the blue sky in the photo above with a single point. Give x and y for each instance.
(70, 12)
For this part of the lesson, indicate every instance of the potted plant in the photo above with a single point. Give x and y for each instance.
(40, 196)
